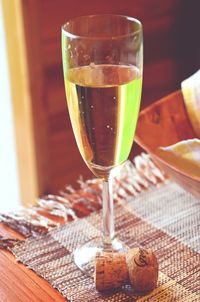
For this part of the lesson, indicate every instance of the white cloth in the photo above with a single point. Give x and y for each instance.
(191, 94)
(184, 155)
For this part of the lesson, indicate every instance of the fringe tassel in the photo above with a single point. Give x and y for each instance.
(70, 204)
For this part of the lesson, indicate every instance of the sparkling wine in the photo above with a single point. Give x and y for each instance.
(103, 103)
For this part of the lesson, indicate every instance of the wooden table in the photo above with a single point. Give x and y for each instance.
(20, 284)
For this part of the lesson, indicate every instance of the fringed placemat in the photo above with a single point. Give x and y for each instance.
(160, 216)
(53, 210)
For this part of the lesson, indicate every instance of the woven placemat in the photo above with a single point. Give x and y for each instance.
(165, 218)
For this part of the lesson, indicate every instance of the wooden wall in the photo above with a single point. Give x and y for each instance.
(170, 55)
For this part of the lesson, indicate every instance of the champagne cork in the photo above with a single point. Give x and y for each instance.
(138, 267)
(143, 269)
(111, 271)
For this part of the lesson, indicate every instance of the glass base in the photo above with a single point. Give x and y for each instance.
(84, 256)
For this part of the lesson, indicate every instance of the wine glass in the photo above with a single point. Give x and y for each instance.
(103, 61)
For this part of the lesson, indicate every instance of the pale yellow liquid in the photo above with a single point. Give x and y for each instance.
(103, 103)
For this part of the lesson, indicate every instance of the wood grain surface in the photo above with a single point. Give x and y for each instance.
(20, 284)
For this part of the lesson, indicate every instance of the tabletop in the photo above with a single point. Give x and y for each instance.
(18, 283)
(146, 191)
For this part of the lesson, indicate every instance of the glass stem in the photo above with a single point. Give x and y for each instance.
(108, 213)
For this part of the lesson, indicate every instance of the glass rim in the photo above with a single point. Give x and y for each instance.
(72, 35)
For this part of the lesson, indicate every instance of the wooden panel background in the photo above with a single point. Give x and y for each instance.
(171, 53)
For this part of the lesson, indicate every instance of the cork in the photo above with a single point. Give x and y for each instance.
(111, 271)
(138, 267)
(143, 269)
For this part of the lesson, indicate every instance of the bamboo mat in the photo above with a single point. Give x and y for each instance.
(161, 216)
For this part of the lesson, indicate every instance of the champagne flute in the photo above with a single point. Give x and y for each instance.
(103, 61)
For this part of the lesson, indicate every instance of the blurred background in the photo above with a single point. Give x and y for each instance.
(38, 153)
